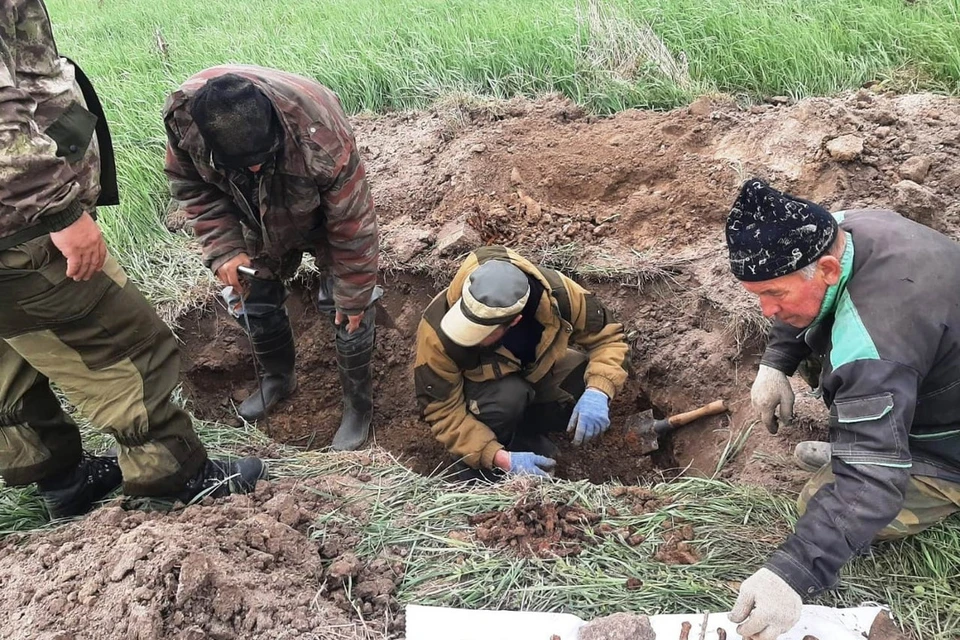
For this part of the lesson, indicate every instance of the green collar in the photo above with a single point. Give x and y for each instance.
(833, 292)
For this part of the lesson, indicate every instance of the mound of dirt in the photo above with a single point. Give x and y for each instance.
(243, 567)
(541, 529)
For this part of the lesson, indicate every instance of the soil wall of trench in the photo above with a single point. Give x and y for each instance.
(633, 207)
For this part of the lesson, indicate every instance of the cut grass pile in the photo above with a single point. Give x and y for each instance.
(735, 528)
(387, 54)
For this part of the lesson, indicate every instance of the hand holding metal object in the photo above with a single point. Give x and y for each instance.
(248, 271)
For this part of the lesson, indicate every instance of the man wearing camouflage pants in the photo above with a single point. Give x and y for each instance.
(265, 166)
(69, 314)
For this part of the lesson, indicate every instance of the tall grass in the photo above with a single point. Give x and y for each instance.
(391, 54)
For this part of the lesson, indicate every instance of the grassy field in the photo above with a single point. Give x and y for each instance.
(391, 54)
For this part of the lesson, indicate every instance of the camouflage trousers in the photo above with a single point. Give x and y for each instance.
(927, 501)
(114, 359)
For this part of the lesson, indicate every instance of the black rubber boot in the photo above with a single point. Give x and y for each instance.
(262, 315)
(276, 355)
(74, 493)
(354, 355)
(219, 478)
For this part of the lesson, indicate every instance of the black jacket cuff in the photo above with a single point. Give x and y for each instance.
(60, 220)
(800, 578)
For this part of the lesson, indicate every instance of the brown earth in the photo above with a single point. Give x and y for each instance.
(632, 205)
(537, 528)
(243, 567)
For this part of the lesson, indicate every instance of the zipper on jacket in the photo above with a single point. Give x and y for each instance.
(245, 206)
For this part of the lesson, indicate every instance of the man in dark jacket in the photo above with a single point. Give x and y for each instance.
(265, 165)
(68, 313)
(875, 299)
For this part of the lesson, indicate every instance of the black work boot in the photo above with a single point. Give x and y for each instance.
(219, 478)
(354, 353)
(276, 356)
(74, 492)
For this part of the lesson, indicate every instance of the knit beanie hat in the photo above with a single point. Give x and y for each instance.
(771, 234)
(237, 121)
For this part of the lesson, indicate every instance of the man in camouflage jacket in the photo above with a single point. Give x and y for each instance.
(69, 314)
(495, 371)
(266, 167)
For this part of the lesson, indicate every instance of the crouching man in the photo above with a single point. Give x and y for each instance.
(875, 299)
(495, 371)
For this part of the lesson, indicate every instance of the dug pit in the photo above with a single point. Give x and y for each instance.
(219, 374)
(633, 206)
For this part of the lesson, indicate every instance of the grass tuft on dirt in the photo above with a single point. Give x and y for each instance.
(627, 540)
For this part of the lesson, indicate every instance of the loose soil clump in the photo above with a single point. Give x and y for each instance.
(676, 548)
(540, 529)
(619, 626)
(245, 566)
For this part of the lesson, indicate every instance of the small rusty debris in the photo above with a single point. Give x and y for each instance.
(685, 630)
(810, 638)
(554, 637)
(721, 633)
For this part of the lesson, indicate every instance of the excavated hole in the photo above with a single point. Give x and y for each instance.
(218, 374)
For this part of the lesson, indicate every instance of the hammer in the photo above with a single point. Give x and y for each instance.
(648, 429)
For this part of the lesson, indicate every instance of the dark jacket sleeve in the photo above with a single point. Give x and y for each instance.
(211, 214)
(785, 350)
(872, 410)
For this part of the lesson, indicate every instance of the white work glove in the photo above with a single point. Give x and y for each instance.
(768, 604)
(770, 390)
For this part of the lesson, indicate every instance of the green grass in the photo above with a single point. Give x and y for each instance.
(393, 54)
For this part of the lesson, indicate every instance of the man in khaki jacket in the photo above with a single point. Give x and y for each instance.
(495, 371)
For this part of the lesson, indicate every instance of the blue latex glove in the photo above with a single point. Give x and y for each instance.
(590, 417)
(523, 463)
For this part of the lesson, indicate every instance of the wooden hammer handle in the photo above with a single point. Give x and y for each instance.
(712, 409)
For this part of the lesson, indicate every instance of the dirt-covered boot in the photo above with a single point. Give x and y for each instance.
(812, 455)
(276, 355)
(219, 478)
(75, 491)
(354, 354)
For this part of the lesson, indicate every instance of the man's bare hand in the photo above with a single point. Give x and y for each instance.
(353, 322)
(228, 275)
(82, 245)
